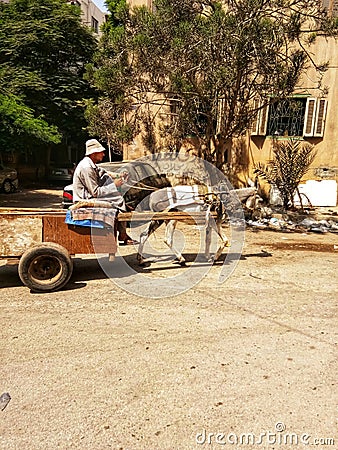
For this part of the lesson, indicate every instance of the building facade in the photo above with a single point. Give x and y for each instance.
(310, 115)
(315, 120)
(92, 16)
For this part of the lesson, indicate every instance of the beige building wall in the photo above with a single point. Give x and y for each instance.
(92, 16)
(260, 149)
(148, 3)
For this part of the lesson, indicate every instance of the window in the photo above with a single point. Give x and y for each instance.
(286, 118)
(95, 24)
(292, 117)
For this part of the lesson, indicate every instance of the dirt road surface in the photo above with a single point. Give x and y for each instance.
(250, 363)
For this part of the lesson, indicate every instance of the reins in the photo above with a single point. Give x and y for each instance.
(210, 198)
(143, 187)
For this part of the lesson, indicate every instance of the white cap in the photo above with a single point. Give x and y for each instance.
(94, 146)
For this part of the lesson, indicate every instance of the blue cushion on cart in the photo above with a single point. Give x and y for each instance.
(83, 223)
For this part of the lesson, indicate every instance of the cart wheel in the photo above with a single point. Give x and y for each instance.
(7, 186)
(45, 267)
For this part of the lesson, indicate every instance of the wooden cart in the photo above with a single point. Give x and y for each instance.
(42, 244)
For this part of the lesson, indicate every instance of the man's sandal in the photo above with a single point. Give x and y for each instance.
(128, 241)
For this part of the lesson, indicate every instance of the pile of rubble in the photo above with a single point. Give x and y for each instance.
(268, 218)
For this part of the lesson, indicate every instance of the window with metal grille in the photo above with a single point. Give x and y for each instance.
(297, 116)
(286, 117)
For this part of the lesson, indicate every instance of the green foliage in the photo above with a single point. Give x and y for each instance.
(114, 26)
(44, 49)
(18, 119)
(291, 161)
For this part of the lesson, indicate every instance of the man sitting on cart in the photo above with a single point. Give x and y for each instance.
(91, 182)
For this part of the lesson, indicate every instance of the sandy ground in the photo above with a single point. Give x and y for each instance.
(95, 367)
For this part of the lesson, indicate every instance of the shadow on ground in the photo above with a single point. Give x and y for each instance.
(91, 269)
(33, 198)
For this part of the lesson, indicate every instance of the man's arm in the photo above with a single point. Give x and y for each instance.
(93, 179)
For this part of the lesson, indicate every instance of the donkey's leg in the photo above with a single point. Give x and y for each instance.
(224, 241)
(169, 239)
(152, 227)
(208, 231)
(217, 226)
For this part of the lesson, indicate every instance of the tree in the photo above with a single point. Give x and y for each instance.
(18, 119)
(291, 161)
(205, 63)
(103, 118)
(109, 117)
(44, 49)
